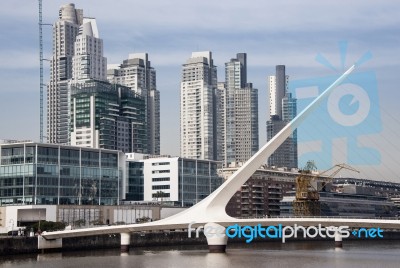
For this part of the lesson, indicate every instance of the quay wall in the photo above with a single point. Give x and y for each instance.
(24, 245)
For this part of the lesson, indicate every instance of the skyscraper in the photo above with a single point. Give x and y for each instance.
(88, 61)
(103, 115)
(199, 107)
(109, 116)
(282, 111)
(238, 113)
(65, 30)
(136, 72)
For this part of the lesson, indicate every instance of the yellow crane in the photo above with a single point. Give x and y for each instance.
(309, 184)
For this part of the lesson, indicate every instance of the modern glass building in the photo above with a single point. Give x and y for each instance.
(35, 173)
(135, 181)
(108, 116)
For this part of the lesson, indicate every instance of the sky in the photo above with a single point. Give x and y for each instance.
(287, 32)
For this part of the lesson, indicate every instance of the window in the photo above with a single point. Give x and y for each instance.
(160, 187)
(160, 164)
(160, 179)
(160, 171)
(160, 195)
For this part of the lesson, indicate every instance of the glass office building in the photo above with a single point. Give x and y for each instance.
(108, 116)
(35, 173)
(135, 181)
(197, 180)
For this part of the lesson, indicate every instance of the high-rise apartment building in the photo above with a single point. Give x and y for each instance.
(282, 111)
(238, 113)
(65, 30)
(199, 107)
(88, 61)
(108, 116)
(137, 73)
(83, 108)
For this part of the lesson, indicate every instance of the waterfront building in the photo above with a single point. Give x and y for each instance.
(65, 31)
(108, 116)
(198, 114)
(375, 187)
(346, 205)
(170, 179)
(238, 113)
(260, 196)
(42, 174)
(282, 111)
(137, 73)
(82, 216)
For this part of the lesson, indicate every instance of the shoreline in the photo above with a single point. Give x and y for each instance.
(29, 245)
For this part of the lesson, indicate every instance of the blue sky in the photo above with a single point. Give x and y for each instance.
(270, 32)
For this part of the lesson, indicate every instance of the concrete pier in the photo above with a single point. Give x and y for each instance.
(216, 238)
(338, 240)
(44, 244)
(125, 242)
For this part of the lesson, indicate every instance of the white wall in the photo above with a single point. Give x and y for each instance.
(13, 214)
(172, 174)
(167, 212)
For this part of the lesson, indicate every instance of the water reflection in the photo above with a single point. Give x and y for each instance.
(49, 256)
(291, 254)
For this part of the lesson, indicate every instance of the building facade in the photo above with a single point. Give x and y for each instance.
(42, 174)
(282, 110)
(198, 115)
(170, 179)
(237, 113)
(108, 116)
(65, 31)
(88, 61)
(76, 216)
(260, 196)
(347, 205)
(137, 73)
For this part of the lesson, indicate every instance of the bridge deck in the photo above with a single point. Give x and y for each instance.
(161, 225)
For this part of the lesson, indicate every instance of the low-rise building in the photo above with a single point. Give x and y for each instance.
(346, 205)
(260, 196)
(82, 216)
(170, 179)
(49, 174)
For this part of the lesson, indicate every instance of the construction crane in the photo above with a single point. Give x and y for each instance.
(41, 60)
(41, 69)
(308, 185)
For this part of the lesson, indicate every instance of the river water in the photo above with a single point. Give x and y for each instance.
(268, 254)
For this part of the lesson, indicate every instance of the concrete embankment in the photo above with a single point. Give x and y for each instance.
(24, 245)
